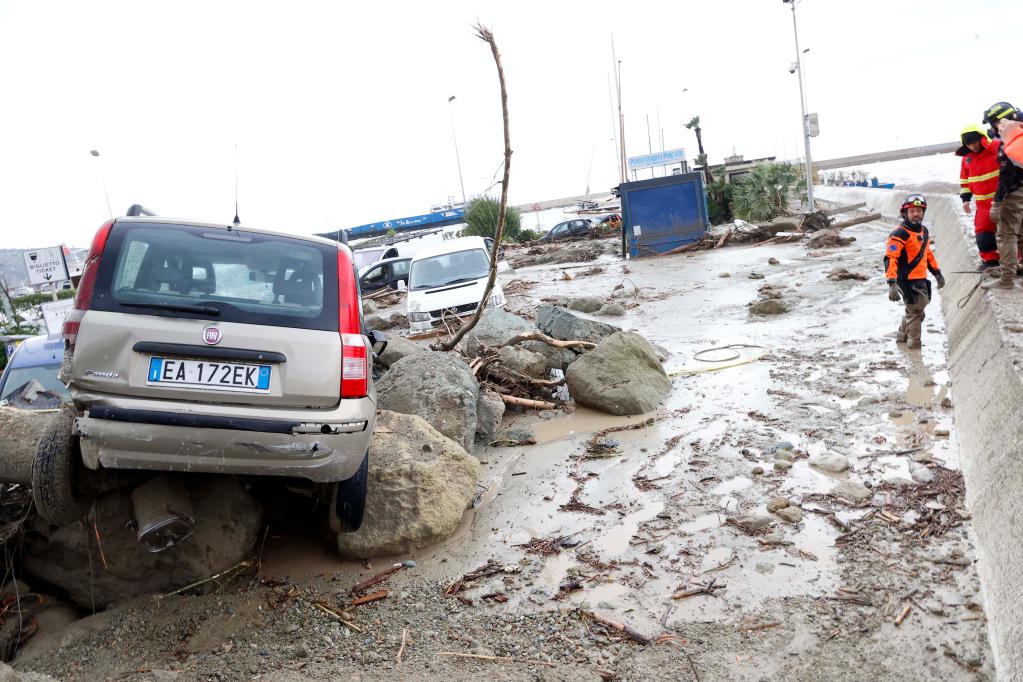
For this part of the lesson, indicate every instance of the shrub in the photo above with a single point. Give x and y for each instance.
(763, 193)
(481, 219)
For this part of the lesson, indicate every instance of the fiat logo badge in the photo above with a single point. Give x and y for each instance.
(211, 336)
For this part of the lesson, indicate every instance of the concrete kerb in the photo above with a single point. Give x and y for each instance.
(985, 354)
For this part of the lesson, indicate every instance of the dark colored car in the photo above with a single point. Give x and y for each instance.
(579, 227)
(30, 380)
(384, 273)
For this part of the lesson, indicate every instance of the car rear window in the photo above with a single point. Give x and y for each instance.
(245, 276)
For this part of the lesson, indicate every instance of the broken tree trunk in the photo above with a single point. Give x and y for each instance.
(21, 430)
(843, 209)
(538, 336)
(856, 221)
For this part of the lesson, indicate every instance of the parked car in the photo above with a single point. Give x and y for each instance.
(579, 227)
(30, 379)
(384, 273)
(449, 280)
(200, 347)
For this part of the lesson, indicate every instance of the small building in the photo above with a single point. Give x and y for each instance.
(662, 214)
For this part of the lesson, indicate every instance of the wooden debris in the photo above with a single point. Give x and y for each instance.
(527, 402)
(404, 642)
(902, 616)
(556, 343)
(623, 628)
(497, 659)
(707, 589)
(375, 580)
(375, 596)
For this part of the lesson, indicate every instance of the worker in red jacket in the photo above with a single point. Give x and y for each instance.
(978, 180)
(908, 258)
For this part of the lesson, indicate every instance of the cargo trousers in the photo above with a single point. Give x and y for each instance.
(1008, 215)
(913, 317)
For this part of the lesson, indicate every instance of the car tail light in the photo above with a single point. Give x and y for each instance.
(83, 298)
(354, 353)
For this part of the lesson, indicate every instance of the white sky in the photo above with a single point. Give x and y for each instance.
(340, 110)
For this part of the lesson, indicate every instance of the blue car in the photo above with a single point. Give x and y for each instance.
(30, 380)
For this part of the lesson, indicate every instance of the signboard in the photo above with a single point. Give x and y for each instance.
(665, 158)
(55, 312)
(813, 126)
(46, 265)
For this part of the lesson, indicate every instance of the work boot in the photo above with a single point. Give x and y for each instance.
(998, 283)
(987, 265)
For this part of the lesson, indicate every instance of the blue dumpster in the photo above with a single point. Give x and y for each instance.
(661, 214)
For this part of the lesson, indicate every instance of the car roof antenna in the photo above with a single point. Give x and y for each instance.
(237, 220)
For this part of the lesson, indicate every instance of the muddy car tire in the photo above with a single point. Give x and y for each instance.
(54, 465)
(350, 500)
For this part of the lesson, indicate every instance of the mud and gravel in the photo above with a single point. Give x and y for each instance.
(659, 522)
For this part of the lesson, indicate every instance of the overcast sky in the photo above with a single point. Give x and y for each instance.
(340, 110)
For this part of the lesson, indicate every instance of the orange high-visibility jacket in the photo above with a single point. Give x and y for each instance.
(908, 254)
(978, 173)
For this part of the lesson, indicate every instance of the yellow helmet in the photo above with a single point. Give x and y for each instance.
(971, 133)
(973, 128)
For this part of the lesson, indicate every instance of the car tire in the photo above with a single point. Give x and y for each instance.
(350, 500)
(54, 466)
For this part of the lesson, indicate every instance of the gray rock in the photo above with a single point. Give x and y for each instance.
(439, 387)
(611, 310)
(755, 275)
(790, 514)
(489, 413)
(523, 361)
(769, 306)
(228, 523)
(398, 320)
(378, 323)
(752, 521)
(777, 503)
(625, 290)
(495, 328)
(566, 325)
(556, 358)
(620, 376)
(786, 455)
(782, 465)
(368, 307)
(514, 435)
(780, 445)
(420, 484)
(582, 304)
(773, 261)
(398, 348)
(9, 674)
(831, 463)
(724, 274)
(851, 490)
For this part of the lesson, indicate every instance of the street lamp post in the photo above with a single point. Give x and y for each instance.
(102, 179)
(802, 107)
(458, 159)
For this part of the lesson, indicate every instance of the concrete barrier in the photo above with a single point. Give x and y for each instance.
(985, 349)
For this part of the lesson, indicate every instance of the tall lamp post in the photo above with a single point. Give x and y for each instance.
(802, 107)
(458, 159)
(95, 153)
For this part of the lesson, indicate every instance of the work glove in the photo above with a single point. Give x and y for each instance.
(940, 279)
(996, 211)
(967, 208)
(893, 292)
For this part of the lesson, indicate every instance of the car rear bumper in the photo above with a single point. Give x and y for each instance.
(319, 445)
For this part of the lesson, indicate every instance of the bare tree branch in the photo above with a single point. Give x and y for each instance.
(485, 35)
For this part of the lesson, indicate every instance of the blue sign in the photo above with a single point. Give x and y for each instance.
(665, 158)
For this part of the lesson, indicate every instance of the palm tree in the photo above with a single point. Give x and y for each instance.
(694, 125)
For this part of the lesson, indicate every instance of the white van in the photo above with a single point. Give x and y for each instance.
(448, 280)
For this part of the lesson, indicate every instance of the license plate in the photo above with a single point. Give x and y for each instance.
(217, 376)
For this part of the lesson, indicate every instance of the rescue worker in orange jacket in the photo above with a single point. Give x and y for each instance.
(978, 178)
(908, 259)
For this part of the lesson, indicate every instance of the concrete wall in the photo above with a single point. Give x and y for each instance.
(985, 348)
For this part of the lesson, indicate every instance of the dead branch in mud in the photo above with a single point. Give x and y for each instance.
(375, 580)
(497, 659)
(526, 402)
(543, 338)
(485, 35)
(623, 628)
(856, 221)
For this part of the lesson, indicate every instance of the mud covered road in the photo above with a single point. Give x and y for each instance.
(664, 527)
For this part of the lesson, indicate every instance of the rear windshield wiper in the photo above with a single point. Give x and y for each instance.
(176, 307)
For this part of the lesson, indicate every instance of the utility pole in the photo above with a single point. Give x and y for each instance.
(802, 107)
(621, 116)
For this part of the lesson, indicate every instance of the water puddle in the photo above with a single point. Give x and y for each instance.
(701, 523)
(732, 485)
(614, 541)
(582, 422)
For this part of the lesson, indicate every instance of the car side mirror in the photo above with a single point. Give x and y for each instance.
(378, 341)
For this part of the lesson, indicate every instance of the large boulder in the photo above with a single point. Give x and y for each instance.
(397, 348)
(495, 328)
(566, 325)
(582, 304)
(21, 430)
(420, 484)
(620, 376)
(228, 524)
(439, 387)
(523, 361)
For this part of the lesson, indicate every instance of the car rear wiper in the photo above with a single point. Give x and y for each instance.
(176, 307)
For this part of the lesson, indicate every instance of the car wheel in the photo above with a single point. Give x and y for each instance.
(350, 500)
(54, 466)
